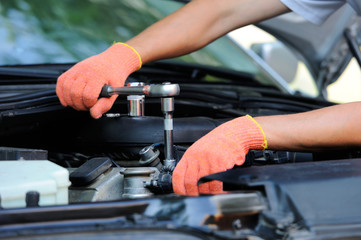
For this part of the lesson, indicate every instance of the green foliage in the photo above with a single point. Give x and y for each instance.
(51, 31)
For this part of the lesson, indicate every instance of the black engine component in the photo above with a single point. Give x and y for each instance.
(144, 130)
(163, 183)
(90, 170)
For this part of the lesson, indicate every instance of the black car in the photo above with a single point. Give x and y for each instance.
(64, 175)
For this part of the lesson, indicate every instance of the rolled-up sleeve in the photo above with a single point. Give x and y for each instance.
(315, 11)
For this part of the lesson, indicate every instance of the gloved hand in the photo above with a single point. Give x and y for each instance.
(81, 85)
(217, 151)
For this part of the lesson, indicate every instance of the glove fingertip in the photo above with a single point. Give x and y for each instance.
(190, 181)
(216, 187)
(178, 178)
(204, 170)
(102, 106)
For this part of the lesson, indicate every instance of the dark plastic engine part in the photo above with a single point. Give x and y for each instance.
(90, 170)
(163, 183)
(268, 157)
(8, 153)
(257, 157)
(32, 199)
(143, 130)
(165, 179)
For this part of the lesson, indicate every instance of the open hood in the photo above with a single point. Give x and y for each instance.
(324, 48)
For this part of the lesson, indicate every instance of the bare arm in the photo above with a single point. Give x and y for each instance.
(330, 127)
(188, 29)
(202, 21)
(199, 23)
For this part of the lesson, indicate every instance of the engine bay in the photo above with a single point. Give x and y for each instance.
(115, 172)
(131, 151)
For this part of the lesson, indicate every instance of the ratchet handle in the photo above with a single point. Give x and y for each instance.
(105, 93)
(156, 90)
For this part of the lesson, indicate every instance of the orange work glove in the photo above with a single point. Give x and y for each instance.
(81, 85)
(217, 151)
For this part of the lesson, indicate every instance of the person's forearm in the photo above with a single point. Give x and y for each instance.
(331, 127)
(199, 23)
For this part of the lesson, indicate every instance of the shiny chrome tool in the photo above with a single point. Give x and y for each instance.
(135, 102)
(153, 90)
(167, 110)
(136, 93)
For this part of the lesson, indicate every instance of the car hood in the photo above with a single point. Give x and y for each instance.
(324, 48)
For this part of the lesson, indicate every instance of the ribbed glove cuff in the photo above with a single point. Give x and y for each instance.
(245, 134)
(257, 138)
(122, 56)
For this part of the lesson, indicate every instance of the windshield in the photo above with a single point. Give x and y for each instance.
(46, 32)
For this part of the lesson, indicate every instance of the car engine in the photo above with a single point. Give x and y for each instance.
(131, 151)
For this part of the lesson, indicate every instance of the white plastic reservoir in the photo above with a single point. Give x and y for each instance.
(17, 178)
